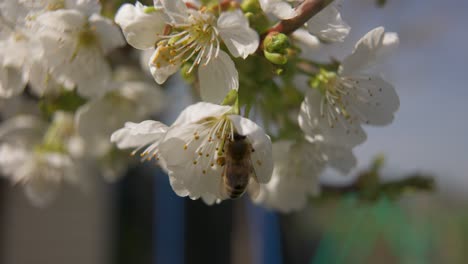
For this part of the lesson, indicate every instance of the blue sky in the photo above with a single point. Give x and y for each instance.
(429, 72)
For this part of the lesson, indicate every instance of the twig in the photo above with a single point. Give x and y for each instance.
(305, 11)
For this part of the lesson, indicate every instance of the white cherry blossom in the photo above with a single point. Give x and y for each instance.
(129, 101)
(297, 166)
(18, 50)
(76, 46)
(335, 110)
(23, 58)
(192, 148)
(27, 158)
(184, 35)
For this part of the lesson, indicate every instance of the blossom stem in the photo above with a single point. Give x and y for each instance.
(305, 11)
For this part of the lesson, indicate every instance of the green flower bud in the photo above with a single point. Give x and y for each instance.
(276, 58)
(276, 43)
(258, 21)
(252, 6)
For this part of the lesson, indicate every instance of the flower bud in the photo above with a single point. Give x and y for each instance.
(275, 48)
(276, 43)
(252, 6)
(276, 58)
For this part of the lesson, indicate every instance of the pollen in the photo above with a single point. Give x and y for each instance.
(221, 161)
(259, 163)
(185, 147)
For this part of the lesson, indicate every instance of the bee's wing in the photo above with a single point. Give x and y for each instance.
(254, 186)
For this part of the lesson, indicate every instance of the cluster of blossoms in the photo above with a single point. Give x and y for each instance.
(60, 96)
(249, 63)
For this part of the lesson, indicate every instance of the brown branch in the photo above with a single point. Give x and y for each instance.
(305, 11)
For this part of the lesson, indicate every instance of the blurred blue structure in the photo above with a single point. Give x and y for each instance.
(265, 235)
(169, 228)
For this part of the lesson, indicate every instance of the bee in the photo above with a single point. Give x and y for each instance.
(238, 168)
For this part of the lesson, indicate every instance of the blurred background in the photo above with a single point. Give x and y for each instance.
(140, 220)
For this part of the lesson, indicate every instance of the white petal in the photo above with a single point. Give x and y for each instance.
(317, 127)
(149, 98)
(11, 82)
(371, 48)
(95, 122)
(279, 8)
(141, 30)
(328, 24)
(261, 158)
(340, 158)
(138, 134)
(62, 20)
(217, 78)
(176, 10)
(41, 80)
(375, 101)
(236, 33)
(11, 158)
(22, 129)
(87, 7)
(89, 71)
(160, 67)
(99, 118)
(109, 34)
(306, 38)
(196, 179)
(199, 111)
(41, 191)
(83, 65)
(295, 176)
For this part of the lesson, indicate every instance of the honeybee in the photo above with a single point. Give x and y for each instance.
(238, 168)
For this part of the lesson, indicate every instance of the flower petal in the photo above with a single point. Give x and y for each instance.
(328, 24)
(11, 82)
(371, 48)
(261, 158)
(201, 110)
(217, 78)
(160, 66)
(41, 191)
(63, 20)
(375, 101)
(189, 174)
(109, 34)
(176, 10)
(297, 166)
(309, 40)
(340, 158)
(279, 8)
(141, 30)
(339, 131)
(87, 7)
(236, 33)
(134, 135)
